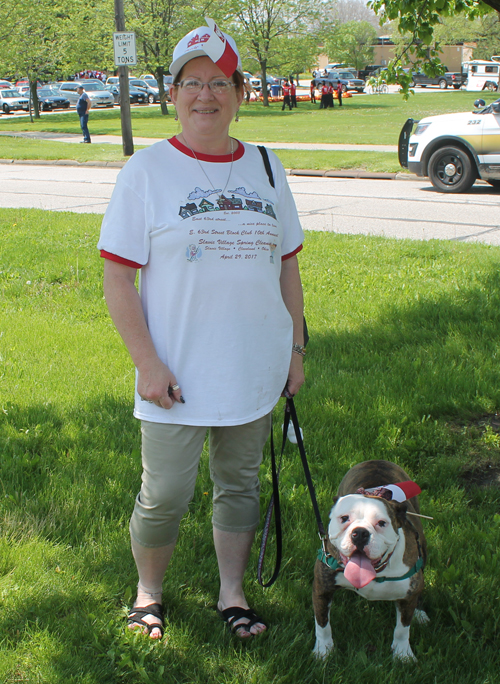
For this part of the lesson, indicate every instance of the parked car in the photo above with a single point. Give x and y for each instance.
(97, 93)
(12, 100)
(271, 81)
(453, 150)
(152, 91)
(367, 72)
(49, 100)
(136, 96)
(5, 84)
(166, 86)
(449, 78)
(345, 78)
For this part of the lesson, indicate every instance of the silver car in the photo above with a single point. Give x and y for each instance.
(99, 96)
(11, 100)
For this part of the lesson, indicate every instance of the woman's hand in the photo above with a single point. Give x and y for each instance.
(296, 376)
(157, 384)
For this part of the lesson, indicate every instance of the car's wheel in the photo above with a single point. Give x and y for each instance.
(494, 183)
(456, 86)
(451, 170)
(6, 108)
(66, 106)
(491, 87)
(151, 98)
(443, 84)
(344, 88)
(413, 84)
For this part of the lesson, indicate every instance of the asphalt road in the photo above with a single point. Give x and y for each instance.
(391, 208)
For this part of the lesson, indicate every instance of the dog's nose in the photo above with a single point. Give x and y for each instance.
(360, 537)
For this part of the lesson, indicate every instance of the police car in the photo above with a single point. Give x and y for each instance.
(453, 150)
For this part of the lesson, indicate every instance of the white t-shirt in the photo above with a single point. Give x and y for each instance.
(211, 248)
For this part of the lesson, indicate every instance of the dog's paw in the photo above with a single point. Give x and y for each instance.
(403, 652)
(322, 648)
(421, 616)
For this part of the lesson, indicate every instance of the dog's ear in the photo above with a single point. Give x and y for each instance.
(400, 509)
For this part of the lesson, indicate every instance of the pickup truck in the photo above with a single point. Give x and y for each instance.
(449, 78)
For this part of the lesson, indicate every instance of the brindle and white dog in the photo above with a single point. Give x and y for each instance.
(373, 548)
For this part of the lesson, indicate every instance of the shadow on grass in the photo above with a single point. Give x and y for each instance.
(385, 390)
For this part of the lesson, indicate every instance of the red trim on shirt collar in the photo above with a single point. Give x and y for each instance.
(216, 158)
(291, 254)
(119, 259)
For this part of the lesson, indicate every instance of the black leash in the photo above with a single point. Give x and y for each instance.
(290, 413)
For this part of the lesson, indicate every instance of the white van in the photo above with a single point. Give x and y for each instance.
(482, 74)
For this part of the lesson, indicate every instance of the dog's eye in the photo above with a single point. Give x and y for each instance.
(344, 519)
(382, 523)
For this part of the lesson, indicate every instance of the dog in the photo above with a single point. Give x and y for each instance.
(375, 547)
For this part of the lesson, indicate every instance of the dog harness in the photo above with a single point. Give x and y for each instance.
(334, 565)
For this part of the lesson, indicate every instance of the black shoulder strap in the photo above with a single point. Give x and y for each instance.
(267, 164)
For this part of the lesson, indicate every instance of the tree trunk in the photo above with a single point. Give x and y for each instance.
(163, 96)
(263, 82)
(34, 98)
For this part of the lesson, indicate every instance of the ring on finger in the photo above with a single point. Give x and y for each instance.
(174, 388)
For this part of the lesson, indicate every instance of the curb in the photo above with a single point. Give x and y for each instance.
(370, 175)
(62, 162)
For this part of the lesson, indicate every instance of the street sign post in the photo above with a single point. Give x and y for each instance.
(124, 45)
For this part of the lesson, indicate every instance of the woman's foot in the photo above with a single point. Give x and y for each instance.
(149, 619)
(243, 622)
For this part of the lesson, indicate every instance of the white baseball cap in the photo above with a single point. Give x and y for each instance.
(207, 41)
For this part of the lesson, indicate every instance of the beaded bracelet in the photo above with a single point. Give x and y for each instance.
(299, 349)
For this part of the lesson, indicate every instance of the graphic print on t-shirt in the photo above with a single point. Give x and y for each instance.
(240, 200)
(250, 230)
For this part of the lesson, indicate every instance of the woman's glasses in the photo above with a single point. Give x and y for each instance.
(217, 85)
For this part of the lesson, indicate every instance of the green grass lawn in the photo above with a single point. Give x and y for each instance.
(18, 148)
(403, 364)
(366, 119)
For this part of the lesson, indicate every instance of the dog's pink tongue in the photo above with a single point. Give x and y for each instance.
(359, 571)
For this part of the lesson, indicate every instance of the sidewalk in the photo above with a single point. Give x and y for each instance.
(116, 140)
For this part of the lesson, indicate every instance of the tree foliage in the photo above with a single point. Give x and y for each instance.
(417, 21)
(263, 25)
(352, 43)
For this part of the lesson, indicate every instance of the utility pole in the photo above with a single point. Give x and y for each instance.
(127, 139)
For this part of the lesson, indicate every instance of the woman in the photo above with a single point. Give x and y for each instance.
(212, 330)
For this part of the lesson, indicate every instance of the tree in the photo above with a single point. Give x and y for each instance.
(418, 20)
(33, 43)
(484, 31)
(352, 43)
(262, 23)
(159, 25)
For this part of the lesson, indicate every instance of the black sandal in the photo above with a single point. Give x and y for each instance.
(235, 613)
(155, 609)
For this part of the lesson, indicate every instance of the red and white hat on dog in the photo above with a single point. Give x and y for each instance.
(207, 41)
(401, 491)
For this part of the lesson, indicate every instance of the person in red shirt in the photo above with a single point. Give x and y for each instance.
(313, 91)
(324, 96)
(330, 96)
(286, 96)
(339, 93)
(293, 93)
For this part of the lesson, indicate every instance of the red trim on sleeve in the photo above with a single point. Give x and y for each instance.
(215, 158)
(289, 256)
(119, 259)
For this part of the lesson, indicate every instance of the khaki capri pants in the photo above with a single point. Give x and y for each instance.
(170, 458)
